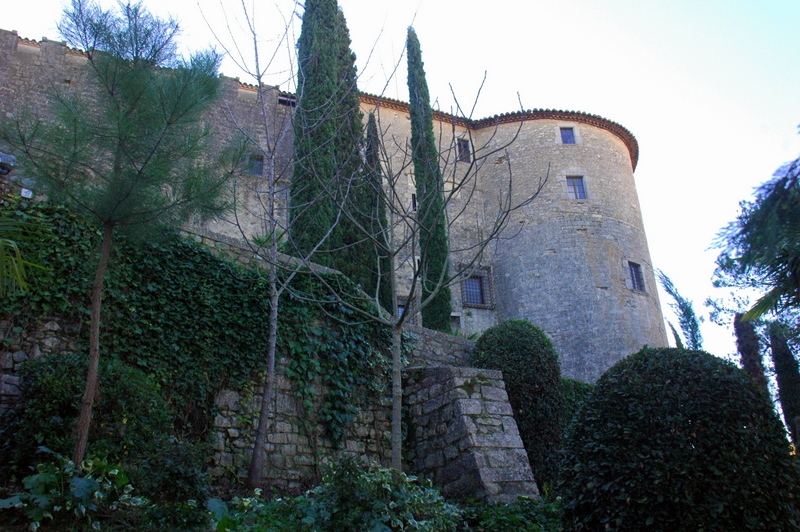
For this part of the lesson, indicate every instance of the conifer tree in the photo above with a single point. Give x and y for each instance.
(381, 279)
(431, 216)
(787, 374)
(135, 153)
(749, 350)
(328, 132)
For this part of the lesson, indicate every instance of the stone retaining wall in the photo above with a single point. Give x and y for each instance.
(464, 436)
(293, 457)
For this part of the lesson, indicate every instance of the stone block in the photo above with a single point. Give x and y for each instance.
(52, 325)
(6, 361)
(227, 400)
(510, 426)
(469, 407)
(494, 394)
(498, 408)
(19, 357)
(221, 421)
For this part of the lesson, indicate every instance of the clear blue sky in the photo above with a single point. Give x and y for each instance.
(708, 87)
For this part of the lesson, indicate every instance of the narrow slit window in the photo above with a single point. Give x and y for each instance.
(464, 151)
(413, 203)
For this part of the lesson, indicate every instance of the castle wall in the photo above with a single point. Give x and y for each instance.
(567, 268)
(563, 263)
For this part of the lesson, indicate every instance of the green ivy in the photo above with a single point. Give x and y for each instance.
(197, 323)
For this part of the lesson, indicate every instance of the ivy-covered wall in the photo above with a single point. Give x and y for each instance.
(198, 324)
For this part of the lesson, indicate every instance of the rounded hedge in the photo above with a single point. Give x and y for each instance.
(677, 440)
(532, 375)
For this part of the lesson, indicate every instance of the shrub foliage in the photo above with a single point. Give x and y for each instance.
(350, 497)
(532, 375)
(193, 324)
(677, 440)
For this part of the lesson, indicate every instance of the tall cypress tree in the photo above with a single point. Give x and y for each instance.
(787, 374)
(749, 350)
(430, 194)
(377, 253)
(328, 130)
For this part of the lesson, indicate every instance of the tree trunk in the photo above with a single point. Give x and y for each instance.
(749, 351)
(257, 463)
(90, 391)
(788, 377)
(397, 398)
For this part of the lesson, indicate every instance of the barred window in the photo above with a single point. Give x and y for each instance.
(637, 278)
(476, 289)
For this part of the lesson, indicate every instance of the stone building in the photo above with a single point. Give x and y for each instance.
(573, 261)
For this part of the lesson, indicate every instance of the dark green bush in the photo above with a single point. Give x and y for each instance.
(130, 425)
(533, 380)
(525, 515)
(682, 441)
(575, 394)
(351, 497)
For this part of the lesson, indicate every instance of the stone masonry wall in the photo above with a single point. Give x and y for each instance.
(464, 436)
(294, 457)
(45, 338)
(434, 348)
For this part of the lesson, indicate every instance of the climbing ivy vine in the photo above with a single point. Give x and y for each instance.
(197, 322)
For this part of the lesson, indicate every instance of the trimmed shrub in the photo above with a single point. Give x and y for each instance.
(677, 440)
(533, 381)
(131, 425)
(575, 394)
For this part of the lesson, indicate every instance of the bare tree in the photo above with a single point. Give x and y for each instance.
(481, 218)
(271, 143)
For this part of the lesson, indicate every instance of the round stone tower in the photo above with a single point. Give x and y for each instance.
(577, 263)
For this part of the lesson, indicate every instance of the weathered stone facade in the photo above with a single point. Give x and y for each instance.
(566, 262)
(464, 436)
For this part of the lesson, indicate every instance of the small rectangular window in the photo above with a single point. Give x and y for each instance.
(473, 291)
(464, 151)
(637, 279)
(256, 165)
(567, 135)
(575, 188)
(476, 290)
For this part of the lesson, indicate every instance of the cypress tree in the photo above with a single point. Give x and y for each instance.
(749, 350)
(430, 194)
(327, 138)
(787, 374)
(380, 281)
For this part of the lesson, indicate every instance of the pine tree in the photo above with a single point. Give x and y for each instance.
(134, 154)
(433, 247)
